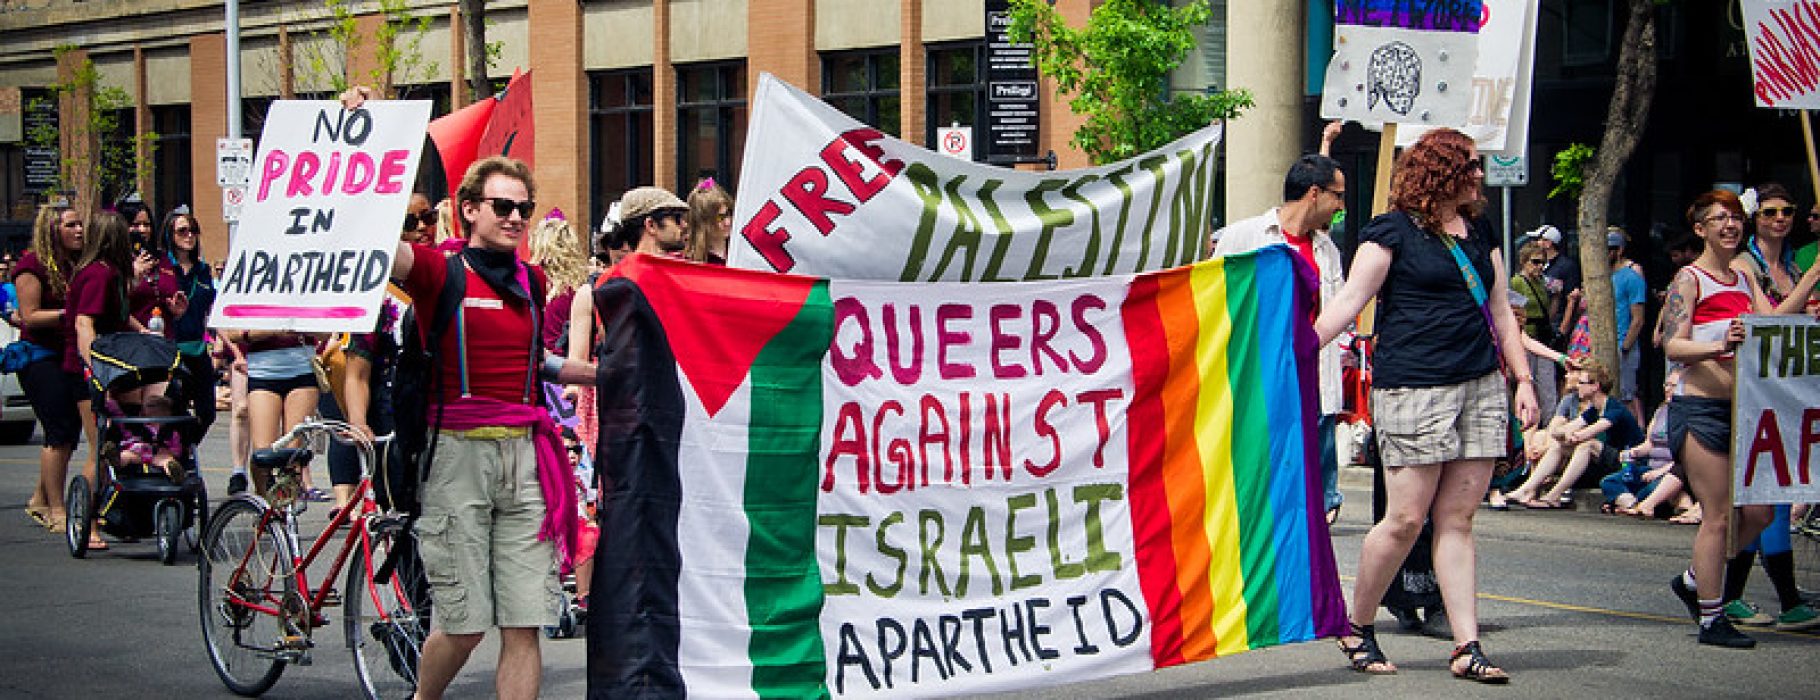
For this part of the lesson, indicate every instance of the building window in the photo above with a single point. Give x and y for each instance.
(1586, 32)
(957, 91)
(171, 183)
(864, 85)
(619, 119)
(710, 123)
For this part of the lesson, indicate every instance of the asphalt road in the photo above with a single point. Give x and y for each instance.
(1572, 604)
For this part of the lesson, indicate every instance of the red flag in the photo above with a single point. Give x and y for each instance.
(509, 131)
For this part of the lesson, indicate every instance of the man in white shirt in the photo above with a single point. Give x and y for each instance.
(1313, 191)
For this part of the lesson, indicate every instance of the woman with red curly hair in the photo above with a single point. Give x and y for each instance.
(1438, 399)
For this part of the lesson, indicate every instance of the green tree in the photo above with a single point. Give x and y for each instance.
(398, 44)
(1626, 117)
(1117, 70)
(95, 168)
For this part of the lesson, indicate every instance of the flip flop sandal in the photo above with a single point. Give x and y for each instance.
(1366, 653)
(1478, 668)
(39, 515)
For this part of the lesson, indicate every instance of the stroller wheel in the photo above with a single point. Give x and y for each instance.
(78, 521)
(167, 523)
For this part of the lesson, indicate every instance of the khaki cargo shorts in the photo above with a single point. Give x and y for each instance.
(482, 507)
(1435, 424)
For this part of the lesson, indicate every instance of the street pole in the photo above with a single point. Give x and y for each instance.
(1509, 256)
(233, 87)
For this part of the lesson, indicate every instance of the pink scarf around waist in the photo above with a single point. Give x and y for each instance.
(556, 478)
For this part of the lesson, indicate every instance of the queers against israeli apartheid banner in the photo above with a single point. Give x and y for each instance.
(824, 487)
(314, 247)
(822, 194)
(1776, 427)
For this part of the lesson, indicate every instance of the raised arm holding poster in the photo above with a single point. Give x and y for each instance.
(314, 247)
(822, 194)
(1776, 435)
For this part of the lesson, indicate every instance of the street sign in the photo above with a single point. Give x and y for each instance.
(956, 141)
(1013, 99)
(233, 200)
(1506, 171)
(233, 162)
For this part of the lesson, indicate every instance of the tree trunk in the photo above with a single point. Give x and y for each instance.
(1625, 120)
(474, 37)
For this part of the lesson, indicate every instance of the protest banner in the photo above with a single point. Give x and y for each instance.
(1501, 81)
(822, 194)
(1402, 62)
(1776, 427)
(852, 488)
(315, 243)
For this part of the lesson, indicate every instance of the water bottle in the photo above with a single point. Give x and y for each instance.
(156, 325)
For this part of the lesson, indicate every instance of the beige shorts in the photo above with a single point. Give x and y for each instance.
(1435, 424)
(482, 507)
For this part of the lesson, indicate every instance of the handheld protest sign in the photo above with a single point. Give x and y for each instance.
(1776, 418)
(1775, 31)
(1396, 63)
(315, 244)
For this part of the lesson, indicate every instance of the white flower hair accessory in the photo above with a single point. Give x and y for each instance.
(1749, 200)
(612, 218)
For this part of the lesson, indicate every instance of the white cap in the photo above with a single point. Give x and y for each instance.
(1547, 233)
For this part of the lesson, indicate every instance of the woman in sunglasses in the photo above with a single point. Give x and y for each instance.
(1703, 330)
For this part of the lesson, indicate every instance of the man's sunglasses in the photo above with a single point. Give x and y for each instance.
(502, 207)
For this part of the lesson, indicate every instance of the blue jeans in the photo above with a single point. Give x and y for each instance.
(1330, 462)
(1628, 479)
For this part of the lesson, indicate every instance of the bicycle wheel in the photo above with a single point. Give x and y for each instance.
(242, 565)
(1806, 539)
(387, 612)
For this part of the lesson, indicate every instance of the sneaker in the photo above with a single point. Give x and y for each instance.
(1743, 613)
(1721, 633)
(237, 483)
(1688, 597)
(1798, 618)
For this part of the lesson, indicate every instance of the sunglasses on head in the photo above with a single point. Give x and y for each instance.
(502, 207)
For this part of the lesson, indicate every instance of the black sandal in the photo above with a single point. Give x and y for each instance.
(1366, 654)
(1478, 668)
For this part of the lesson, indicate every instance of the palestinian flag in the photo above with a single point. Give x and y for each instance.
(820, 488)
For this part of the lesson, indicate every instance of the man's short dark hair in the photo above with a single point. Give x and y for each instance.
(1310, 170)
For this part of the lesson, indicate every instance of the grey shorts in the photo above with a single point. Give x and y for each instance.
(1628, 364)
(482, 508)
(1435, 424)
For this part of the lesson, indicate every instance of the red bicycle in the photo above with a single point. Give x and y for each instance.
(259, 607)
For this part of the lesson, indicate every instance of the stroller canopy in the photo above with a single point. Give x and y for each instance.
(121, 361)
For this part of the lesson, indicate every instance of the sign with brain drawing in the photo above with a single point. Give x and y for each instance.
(1403, 62)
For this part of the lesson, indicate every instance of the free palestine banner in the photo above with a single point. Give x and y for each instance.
(823, 488)
(822, 194)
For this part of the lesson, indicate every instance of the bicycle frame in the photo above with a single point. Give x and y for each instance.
(357, 533)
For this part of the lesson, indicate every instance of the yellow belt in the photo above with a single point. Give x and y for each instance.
(492, 432)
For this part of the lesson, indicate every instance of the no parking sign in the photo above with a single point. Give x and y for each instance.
(956, 141)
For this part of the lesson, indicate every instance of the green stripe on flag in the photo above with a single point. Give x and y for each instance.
(1251, 454)
(783, 581)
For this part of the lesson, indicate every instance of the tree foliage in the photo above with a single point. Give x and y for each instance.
(100, 168)
(1117, 70)
(397, 47)
(1569, 170)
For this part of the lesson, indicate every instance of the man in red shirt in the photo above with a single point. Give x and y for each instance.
(498, 503)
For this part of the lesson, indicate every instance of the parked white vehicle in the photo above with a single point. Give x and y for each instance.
(17, 420)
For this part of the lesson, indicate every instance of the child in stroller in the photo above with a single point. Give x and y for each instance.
(146, 482)
(155, 448)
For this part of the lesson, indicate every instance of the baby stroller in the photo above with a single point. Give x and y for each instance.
(133, 502)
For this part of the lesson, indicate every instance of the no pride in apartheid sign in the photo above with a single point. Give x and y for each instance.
(315, 243)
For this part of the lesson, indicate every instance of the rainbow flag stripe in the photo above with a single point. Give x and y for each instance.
(1224, 499)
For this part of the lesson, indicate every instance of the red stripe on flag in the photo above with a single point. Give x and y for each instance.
(1151, 523)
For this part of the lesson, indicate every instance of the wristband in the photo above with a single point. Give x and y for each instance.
(551, 369)
(1561, 359)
